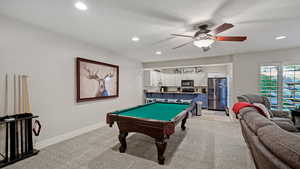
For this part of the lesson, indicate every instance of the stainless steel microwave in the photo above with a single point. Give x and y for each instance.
(187, 83)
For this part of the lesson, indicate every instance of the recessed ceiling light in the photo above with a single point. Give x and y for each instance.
(280, 37)
(135, 38)
(81, 6)
(158, 52)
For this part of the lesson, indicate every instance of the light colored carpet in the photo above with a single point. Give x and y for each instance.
(210, 142)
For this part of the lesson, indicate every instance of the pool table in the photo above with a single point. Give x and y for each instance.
(157, 120)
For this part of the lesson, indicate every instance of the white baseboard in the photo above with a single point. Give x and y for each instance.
(66, 136)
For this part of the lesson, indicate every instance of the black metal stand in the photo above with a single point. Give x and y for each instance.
(18, 139)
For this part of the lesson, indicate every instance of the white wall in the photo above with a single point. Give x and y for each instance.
(246, 68)
(49, 59)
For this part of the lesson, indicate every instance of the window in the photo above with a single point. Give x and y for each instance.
(269, 84)
(291, 86)
(281, 84)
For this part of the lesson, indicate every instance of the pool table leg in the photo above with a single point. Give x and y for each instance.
(161, 145)
(122, 139)
(183, 123)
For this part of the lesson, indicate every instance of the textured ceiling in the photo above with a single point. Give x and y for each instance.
(110, 24)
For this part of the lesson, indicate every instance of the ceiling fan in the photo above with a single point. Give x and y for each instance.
(204, 37)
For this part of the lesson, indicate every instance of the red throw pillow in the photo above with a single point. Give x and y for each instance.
(238, 106)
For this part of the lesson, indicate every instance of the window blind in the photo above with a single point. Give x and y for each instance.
(281, 84)
(269, 84)
(291, 86)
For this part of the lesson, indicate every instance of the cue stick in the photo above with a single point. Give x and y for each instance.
(26, 135)
(28, 110)
(20, 111)
(20, 94)
(15, 94)
(23, 94)
(15, 112)
(6, 96)
(6, 113)
(6, 144)
(13, 146)
(24, 110)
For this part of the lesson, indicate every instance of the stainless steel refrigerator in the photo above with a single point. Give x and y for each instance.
(217, 93)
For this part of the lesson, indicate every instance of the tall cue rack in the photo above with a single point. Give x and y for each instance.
(18, 127)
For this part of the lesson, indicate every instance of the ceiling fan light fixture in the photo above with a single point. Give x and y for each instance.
(203, 43)
(81, 6)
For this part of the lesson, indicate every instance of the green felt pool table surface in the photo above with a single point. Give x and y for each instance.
(156, 111)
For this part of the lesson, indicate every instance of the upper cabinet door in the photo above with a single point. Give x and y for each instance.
(169, 79)
(166, 79)
(178, 78)
(152, 78)
(155, 78)
(147, 78)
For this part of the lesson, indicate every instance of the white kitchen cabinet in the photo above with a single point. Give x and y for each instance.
(196, 78)
(173, 80)
(178, 78)
(169, 79)
(147, 78)
(187, 76)
(216, 74)
(200, 79)
(164, 77)
(152, 78)
(155, 78)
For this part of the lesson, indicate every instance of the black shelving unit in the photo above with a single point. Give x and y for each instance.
(18, 138)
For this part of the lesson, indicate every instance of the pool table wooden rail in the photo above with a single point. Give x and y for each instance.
(152, 128)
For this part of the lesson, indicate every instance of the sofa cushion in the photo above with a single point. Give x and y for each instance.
(263, 158)
(244, 111)
(252, 98)
(286, 125)
(282, 119)
(242, 98)
(279, 113)
(255, 120)
(246, 132)
(283, 144)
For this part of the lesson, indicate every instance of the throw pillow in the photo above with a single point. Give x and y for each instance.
(264, 109)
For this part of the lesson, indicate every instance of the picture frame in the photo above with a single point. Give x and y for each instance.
(96, 80)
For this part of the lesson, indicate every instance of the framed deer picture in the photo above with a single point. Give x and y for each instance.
(96, 80)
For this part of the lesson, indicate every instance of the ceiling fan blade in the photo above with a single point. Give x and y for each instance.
(183, 45)
(186, 36)
(222, 28)
(231, 38)
(163, 40)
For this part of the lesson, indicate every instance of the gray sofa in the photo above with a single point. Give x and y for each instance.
(281, 118)
(271, 146)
